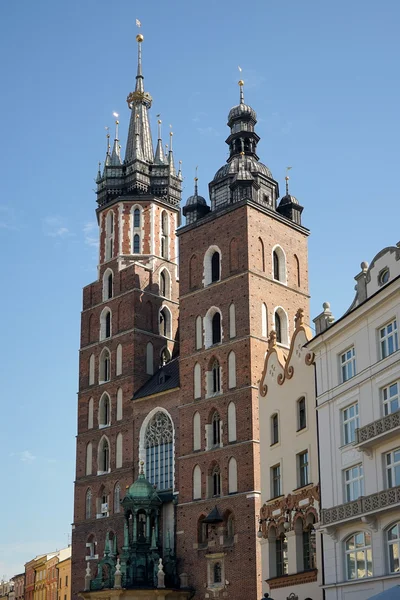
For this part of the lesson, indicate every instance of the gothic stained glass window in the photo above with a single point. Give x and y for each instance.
(159, 451)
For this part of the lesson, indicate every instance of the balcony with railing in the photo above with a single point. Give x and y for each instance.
(377, 431)
(365, 506)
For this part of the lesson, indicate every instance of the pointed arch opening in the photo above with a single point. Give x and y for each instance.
(91, 369)
(164, 234)
(279, 272)
(165, 322)
(90, 413)
(108, 284)
(89, 459)
(109, 238)
(232, 476)
(212, 265)
(165, 284)
(105, 323)
(103, 456)
(232, 422)
(118, 452)
(231, 370)
(104, 411)
(117, 498)
(88, 504)
(196, 431)
(158, 445)
(197, 483)
(281, 326)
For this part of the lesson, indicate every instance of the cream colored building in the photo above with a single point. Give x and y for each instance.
(290, 544)
(358, 384)
(64, 574)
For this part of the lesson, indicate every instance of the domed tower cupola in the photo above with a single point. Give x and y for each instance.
(196, 206)
(289, 206)
(242, 120)
(243, 177)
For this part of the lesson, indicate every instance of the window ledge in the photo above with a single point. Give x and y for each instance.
(301, 487)
(94, 557)
(274, 444)
(274, 498)
(301, 429)
(104, 426)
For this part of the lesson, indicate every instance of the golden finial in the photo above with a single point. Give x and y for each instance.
(141, 467)
(241, 84)
(139, 38)
(287, 180)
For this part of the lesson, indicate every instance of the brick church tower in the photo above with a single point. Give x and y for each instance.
(243, 271)
(188, 412)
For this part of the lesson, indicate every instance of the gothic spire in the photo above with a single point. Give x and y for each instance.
(107, 161)
(171, 156)
(159, 155)
(115, 155)
(139, 102)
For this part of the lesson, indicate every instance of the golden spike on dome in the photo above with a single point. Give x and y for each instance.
(241, 84)
(287, 180)
(139, 38)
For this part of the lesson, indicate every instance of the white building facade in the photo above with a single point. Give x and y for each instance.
(358, 384)
(289, 517)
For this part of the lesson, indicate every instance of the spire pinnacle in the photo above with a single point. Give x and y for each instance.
(139, 76)
(159, 158)
(287, 180)
(241, 84)
(171, 156)
(115, 156)
(180, 170)
(196, 179)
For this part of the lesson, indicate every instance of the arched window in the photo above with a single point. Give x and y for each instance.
(104, 411)
(90, 414)
(117, 498)
(89, 459)
(107, 285)
(159, 451)
(136, 217)
(164, 235)
(118, 451)
(119, 404)
(196, 483)
(119, 360)
(264, 320)
(231, 370)
(215, 386)
(261, 259)
(163, 286)
(281, 555)
(196, 431)
(105, 324)
(309, 548)
(197, 381)
(215, 267)
(393, 541)
(358, 556)
(136, 244)
(199, 333)
(216, 328)
(232, 476)
(212, 265)
(165, 322)
(103, 461)
(217, 572)
(216, 429)
(281, 326)
(149, 359)
(109, 241)
(279, 265)
(297, 263)
(231, 422)
(216, 481)
(91, 369)
(165, 356)
(232, 321)
(88, 504)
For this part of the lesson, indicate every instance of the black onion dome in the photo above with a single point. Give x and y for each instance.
(195, 199)
(288, 199)
(248, 163)
(242, 110)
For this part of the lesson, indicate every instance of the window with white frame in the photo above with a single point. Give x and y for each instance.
(276, 489)
(348, 364)
(358, 556)
(107, 285)
(216, 429)
(393, 541)
(353, 482)
(390, 396)
(301, 414)
(388, 339)
(109, 242)
(274, 429)
(303, 469)
(105, 324)
(164, 235)
(350, 423)
(393, 468)
(136, 230)
(103, 459)
(212, 265)
(104, 411)
(105, 366)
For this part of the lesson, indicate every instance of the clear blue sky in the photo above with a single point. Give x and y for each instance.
(323, 78)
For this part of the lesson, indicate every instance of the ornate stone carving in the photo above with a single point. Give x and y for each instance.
(295, 579)
(357, 508)
(301, 502)
(378, 427)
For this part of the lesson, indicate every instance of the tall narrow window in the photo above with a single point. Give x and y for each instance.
(215, 378)
(119, 404)
(309, 548)
(196, 483)
(216, 429)
(165, 356)
(232, 476)
(348, 364)
(118, 451)
(104, 456)
(393, 540)
(197, 381)
(136, 244)
(119, 360)
(278, 328)
(109, 235)
(264, 320)
(216, 482)
(388, 338)
(159, 451)
(107, 285)
(196, 431)
(216, 328)
(136, 217)
(231, 370)
(199, 333)
(105, 366)
(393, 468)
(108, 325)
(149, 359)
(354, 483)
(232, 321)
(163, 287)
(276, 481)
(350, 423)
(302, 465)
(88, 504)
(217, 573)
(104, 411)
(297, 263)
(276, 265)
(390, 396)
(359, 556)
(261, 259)
(105, 324)
(281, 555)
(301, 414)
(274, 429)
(165, 322)
(215, 267)
(90, 414)
(88, 469)
(164, 234)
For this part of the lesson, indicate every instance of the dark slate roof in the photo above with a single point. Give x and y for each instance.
(164, 379)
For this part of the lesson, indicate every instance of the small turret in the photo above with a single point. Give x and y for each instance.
(196, 206)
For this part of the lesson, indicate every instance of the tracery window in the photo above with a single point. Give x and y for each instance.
(159, 451)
